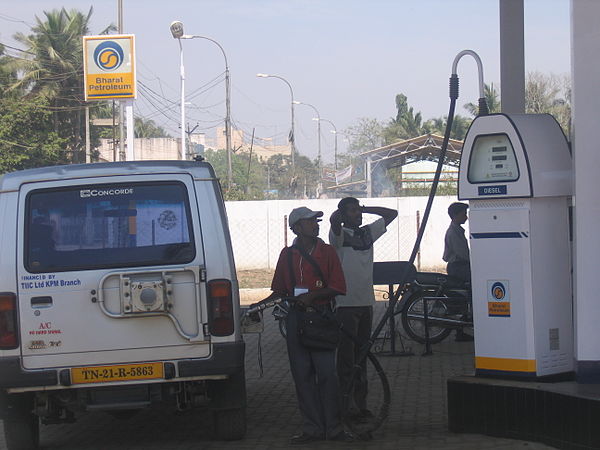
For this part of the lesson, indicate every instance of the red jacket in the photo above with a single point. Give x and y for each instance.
(305, 274)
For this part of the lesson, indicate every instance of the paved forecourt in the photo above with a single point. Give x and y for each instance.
(417, 419)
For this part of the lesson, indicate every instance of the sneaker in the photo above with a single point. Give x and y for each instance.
(343, 436)
(304, 438)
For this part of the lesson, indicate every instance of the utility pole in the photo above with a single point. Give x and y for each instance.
(228, 122)
(121, 104)
(187, 149)
(88, 155)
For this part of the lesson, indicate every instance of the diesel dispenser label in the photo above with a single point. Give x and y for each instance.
(498, 298)
(492, 190)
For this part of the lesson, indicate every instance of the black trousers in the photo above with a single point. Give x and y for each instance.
(460, 270)
(317, 386)
(357, 320)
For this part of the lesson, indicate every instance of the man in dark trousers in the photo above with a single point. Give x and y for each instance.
(354, 310)
(314, 371)
(456, 252)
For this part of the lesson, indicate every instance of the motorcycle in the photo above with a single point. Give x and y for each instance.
(434, 304)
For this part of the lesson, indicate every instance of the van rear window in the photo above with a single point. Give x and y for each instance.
(104, 226)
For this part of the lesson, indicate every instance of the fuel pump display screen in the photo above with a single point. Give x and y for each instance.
(492, 159)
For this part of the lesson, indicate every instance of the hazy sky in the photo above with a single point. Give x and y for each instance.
(348, 58)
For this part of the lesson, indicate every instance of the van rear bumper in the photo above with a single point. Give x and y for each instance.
(226, 359)
(13, 375)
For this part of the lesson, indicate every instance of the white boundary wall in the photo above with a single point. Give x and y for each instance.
(258, 229)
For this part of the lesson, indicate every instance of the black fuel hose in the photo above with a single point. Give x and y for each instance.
(365, 353)
(366, 349)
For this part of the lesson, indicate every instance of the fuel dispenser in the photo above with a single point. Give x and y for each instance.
(515, 170)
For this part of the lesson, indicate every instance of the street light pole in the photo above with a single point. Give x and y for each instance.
(318, 129)
(334, 131)
(292, 135)
(227, 94)
(177, 32)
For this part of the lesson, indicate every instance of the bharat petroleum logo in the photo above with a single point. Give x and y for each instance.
(498, 290)
(108, 55)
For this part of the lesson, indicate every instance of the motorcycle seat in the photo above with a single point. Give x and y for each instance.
(434, 278)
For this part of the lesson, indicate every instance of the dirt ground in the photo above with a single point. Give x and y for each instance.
(254, 279)
(254, 284)
(261, 278)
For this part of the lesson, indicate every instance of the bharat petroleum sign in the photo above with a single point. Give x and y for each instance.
(108, 66)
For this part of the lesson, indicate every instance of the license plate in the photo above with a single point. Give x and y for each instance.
(121, 372)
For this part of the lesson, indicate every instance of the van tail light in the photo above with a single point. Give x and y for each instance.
(8, 321)
(220, 308)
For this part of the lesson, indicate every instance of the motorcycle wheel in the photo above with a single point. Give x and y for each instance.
(415, 328)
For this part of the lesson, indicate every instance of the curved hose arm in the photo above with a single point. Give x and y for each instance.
(483, 107)
(458, 57)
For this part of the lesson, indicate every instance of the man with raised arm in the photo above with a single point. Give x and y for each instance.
(354, 310)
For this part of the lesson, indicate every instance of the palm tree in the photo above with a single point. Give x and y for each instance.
(460, 125)
(7, 73)
(492, 98)
(406, 124)
(55, 70)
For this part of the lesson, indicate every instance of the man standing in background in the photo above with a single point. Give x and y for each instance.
(354, 311)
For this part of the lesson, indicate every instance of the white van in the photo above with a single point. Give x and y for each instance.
(117, 291)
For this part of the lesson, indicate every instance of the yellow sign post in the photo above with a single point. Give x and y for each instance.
(109, 67)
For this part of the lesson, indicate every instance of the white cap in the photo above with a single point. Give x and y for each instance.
(302, 213)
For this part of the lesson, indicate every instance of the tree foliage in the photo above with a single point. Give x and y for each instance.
(549, 94)
(49, 76)
(544, 94)
(366, 134)
(147, 128)
(407, 124)
(492, 98)
(27, 137)
(460, 125)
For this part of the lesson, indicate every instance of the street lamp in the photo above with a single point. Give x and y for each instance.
(292, 137)
(177, 32)
(334, 131)
(318, 118)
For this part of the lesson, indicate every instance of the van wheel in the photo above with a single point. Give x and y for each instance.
(21, 430)
(230, 424)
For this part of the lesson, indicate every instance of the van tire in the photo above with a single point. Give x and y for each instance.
(230, 424)
(22, 431)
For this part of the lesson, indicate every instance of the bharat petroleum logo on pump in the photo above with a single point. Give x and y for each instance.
(108, 56)
(498, 298)
(498, 291)
(109, 67)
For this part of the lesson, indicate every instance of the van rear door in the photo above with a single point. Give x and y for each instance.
(110, 271)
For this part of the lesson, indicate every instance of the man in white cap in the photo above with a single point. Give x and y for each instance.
(310, 271)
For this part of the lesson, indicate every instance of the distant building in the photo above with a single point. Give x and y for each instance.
(144, 149)
(169, 148)
(263, 148)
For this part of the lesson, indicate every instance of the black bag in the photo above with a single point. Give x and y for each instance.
(317, 331)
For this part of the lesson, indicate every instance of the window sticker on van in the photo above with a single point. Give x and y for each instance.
(84, 193)
(102, 226)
